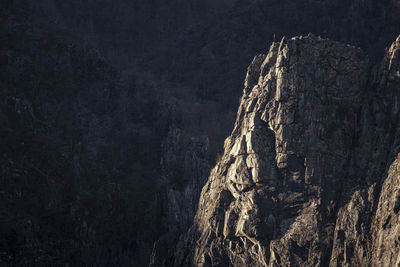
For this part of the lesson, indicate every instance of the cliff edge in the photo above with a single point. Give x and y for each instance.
(310, 173)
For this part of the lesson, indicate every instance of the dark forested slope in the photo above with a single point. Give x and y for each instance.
(78, 150)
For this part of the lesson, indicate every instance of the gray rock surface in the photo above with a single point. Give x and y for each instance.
(182, 189)
(310, 173)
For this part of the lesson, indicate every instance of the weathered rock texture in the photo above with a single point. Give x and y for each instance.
(182, 189)
(309, 176)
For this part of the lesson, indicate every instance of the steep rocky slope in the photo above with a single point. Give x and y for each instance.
(309, 176)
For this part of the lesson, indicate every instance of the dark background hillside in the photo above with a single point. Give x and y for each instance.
(112, 113)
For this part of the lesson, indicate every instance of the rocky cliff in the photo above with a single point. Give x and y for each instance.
(310, 172)
(182, 188)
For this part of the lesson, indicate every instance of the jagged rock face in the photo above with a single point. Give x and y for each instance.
(299, 181)
(182, 189)
(366, 229)
(182, 202)
(386, 230)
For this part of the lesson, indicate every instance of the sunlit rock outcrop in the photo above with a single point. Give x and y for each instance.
(305, 177)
